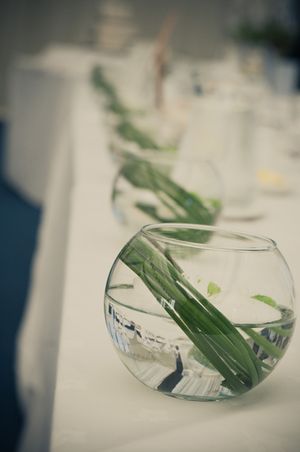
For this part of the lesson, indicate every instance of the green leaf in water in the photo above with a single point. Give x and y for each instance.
(182, 205)
(102, 84)
(130, 133)
(198, 356)
(213, 289)
(211, 332)
(265, 299)
(125, 126)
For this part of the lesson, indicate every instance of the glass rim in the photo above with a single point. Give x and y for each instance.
(261, 242)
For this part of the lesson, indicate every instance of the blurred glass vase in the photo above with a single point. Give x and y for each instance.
(221, 128)
(134, 129)
(197, 312)
(162, 188)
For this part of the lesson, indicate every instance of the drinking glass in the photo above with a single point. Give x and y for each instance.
(198, 312)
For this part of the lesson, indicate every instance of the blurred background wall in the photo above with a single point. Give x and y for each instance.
(27, 26)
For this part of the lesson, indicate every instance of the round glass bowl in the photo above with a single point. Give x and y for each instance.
(136, 129)
(163, 188)
(197, 312)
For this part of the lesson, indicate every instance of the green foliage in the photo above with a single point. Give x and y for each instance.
(265, 299)
(216, 338)
(213, 289)
(125, 126)
(101, 83)
(131, 133)
(182, 205)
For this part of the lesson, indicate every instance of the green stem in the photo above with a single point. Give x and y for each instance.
(267, 346)
(209, 330)
(184, 206)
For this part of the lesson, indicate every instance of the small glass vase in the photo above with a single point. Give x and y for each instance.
(136, 130)
(164, 188)
(197, 312)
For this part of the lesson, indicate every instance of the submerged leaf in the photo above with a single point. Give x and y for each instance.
(216, 338)
(265, 299)
(182, 206)
(213, 289)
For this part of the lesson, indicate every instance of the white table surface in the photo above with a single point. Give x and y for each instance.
(88, 401)
(100, 406)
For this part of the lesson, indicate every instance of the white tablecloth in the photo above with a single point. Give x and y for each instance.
(78, 395)
(41, 89)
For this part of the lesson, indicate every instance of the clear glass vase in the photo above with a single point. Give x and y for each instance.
(197, 312)
(164, 188)
(136, 130)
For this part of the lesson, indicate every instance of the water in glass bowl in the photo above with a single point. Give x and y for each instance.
(169, 362)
